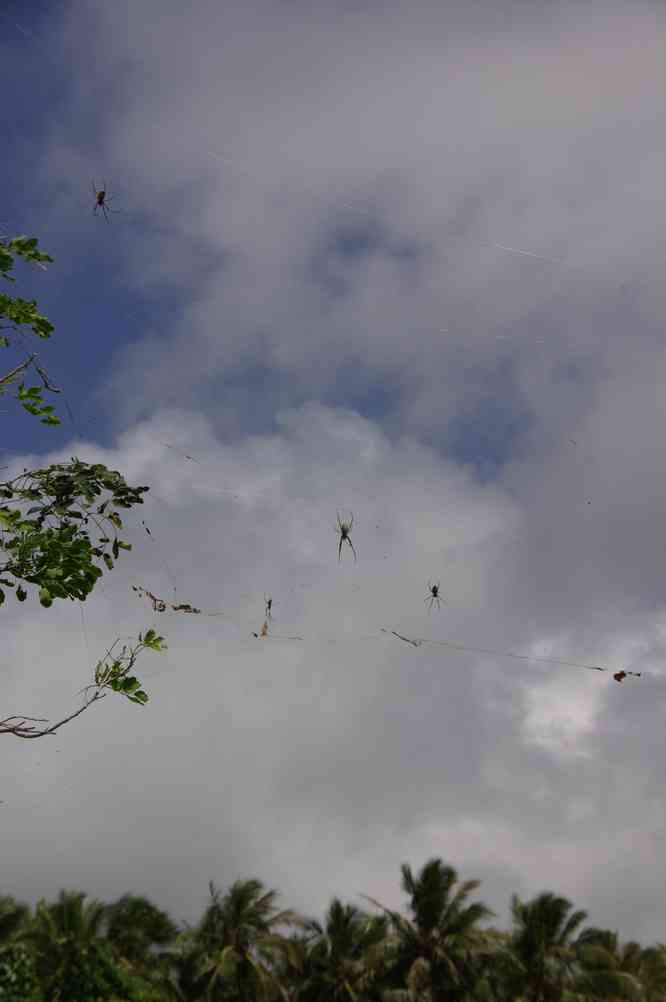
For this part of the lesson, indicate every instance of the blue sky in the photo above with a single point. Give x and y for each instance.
(403, 261)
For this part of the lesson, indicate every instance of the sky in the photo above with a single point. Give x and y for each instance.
(401, 261)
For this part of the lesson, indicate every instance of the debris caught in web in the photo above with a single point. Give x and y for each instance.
(159, 605)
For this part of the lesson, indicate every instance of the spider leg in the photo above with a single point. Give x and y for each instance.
(352, 548)
(105, 211)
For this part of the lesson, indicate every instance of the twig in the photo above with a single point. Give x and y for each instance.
(14, 372)
(22, 730)
(414, 643)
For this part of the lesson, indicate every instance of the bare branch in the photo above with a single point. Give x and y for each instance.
(23, 730)
(48, 385)
(14, 372)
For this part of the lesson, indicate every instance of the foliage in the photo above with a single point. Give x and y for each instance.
(344, 957)
(13, 916)
(49, 545)
(134, 926)
(23, 313)
(114, 675)
(18, 977)
(131, 951)
(59, 525)
(229, 954)
(543, 944)
(438, 949)
(73, 963)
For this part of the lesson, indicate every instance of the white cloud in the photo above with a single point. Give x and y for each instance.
(319, 764)
(322, 764)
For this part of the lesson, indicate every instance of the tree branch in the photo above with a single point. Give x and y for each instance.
(14, 372)
(23, 730)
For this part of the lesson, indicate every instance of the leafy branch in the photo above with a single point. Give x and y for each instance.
(57, 525)
(49, 544)
(23, 313)
(111, 672)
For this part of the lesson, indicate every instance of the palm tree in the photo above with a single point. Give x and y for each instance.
(499, 970)
(13, 917)
(292, 962)
(231, 950)
(436, 952)
(17, 969)
(605, 970)
(71, 958)
(542, 942)
(183, 959)
(339, 960)
(134, 928)
(619, 971)
(652, 973)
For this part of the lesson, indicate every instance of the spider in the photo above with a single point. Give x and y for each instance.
(101, 200)
(269, 605)
(344, 529)
(433, 596)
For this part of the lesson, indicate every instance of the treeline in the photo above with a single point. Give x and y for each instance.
(441, 948)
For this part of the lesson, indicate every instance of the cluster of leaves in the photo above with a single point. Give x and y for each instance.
(31, 400)
(22, 313)
(113, 671)
(18, 977)
(50, 545)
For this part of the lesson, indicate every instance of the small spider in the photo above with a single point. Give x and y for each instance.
(269, 605)
(102, 200)
(433, 597)
(344, 529)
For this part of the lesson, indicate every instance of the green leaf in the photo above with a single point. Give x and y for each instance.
(228, 962)
(21, 594)
(45, 598)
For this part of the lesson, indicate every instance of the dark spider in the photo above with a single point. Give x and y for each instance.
(433, 596)
(101, 201)
(344, 529)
